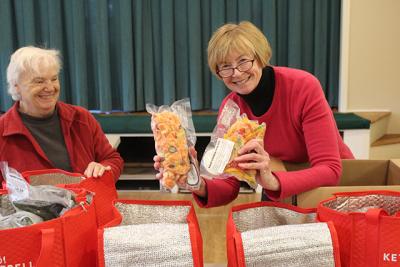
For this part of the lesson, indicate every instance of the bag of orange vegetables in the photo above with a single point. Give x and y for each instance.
(174, 133)
(232, 132)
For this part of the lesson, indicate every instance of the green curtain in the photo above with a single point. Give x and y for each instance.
(122, 54)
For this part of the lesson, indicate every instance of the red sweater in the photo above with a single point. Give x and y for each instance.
(84, 139)
(300, 128)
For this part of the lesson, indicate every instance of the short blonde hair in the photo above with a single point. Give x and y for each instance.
(243, 38)
(30, 59)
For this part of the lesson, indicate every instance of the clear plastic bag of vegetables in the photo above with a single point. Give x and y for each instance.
(231, 133)
(174, 133)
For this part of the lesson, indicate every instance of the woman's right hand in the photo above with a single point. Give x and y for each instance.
(158, 166)
(201, 191)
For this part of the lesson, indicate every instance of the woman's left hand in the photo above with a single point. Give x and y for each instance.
(252, 156)
(95, 170)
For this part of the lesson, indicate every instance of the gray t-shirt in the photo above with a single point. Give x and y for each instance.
(47, 132)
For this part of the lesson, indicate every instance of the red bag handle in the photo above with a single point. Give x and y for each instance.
(117, 219)
(240, 260)
(282, 205)
(195, 238)
(372, 217)
(100, 247)
(365, 193)
(335, 243)
(230, 241)
(45, 254)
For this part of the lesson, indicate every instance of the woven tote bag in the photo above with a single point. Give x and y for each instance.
(66, 241)
(278, 234)
(151, 233)
(368, 226)
(103, 187)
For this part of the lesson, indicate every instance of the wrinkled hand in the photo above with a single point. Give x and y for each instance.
(193, 154)
(95, 170)
(252, 156)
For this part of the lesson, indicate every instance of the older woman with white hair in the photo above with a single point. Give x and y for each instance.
(41, 132)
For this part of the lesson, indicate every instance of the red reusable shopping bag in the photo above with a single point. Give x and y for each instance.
(69, 240)
(103, 187)
(151, 233)
(368, 226)
(278, 234)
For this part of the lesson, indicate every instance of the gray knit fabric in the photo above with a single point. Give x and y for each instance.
(149, 235)
(274, 236)
(256, 218)
(289, 245)
(142, 214)
(54, 179)
(147, 245)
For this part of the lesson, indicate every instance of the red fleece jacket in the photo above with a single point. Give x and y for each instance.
(84, 139)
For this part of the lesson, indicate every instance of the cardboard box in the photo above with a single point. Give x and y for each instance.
(278, 165)
(357, 175)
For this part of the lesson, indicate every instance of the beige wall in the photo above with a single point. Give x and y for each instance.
(374, 58)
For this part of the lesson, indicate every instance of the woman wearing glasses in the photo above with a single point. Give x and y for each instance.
(41, 132)
(300, 124)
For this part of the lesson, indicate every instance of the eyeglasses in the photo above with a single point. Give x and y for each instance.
(242, 67)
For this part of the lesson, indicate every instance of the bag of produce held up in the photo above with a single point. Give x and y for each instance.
(174, 133)
(232, 132)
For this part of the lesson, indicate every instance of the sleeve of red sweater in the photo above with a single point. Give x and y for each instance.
(219, 192)
(104, 152)
(316, 121)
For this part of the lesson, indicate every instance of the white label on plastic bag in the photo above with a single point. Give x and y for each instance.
(216, 159)
(19, 188)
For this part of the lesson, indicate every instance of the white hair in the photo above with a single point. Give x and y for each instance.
(30, 60)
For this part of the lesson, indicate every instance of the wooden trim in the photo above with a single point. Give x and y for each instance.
(387, 139)
(373, 116)
(344, 56)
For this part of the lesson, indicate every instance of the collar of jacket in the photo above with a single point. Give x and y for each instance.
(65, 112)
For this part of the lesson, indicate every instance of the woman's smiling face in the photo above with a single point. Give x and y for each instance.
(39, 93)
(241, 82)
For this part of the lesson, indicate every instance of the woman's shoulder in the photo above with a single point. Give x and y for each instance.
(9, 115)
(72, 108)
(297, 82)
(69, 111)
(293, 74)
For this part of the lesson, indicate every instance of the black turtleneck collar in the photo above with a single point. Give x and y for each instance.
(260, 99)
